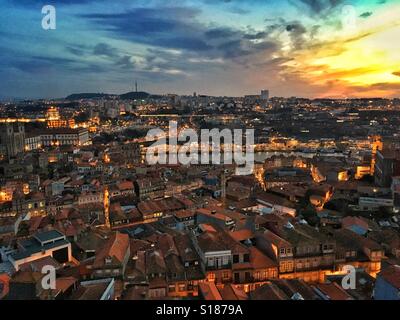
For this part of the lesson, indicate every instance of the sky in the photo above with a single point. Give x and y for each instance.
(305, 48)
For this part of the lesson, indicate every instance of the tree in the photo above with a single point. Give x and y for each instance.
(82, 117)
(310, 215)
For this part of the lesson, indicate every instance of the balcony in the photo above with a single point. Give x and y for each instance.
(219, 267)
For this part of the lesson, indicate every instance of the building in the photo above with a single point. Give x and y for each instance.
(25, 285)
(149, 188)
(32, 141)
(33, 203)
(112, 259)
(300, 250)
(387, 285)
(64, 137)
(12, 139)
(49, 243)
(358, 251)
(264, 94)
(387, 165)
(375, 202)
(54, 120)
(100, 289)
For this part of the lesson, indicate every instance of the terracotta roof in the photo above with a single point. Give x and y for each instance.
(334, 291)
(241, 235)
(259, 260)
(64, 283)
(155, 262)
(392, 276)
(209, 291)
(125, 185)
(116, 247)
(157, 283)
(230, 292)
(181, 214)
(26, 277)
(293, 286)
(38, 264)
(185, 248)
(4, 284)
(350, 221)
(268, 291)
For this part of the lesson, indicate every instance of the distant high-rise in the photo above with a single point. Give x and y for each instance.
(264, 94)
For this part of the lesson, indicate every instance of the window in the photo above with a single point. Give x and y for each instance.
(264, 275)
(235, 258)
(171, 288)
(182, 287)
(226, 275)
(246, 257)
(211, 277)
(282, 251)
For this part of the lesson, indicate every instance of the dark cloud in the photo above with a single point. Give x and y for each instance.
(318, 7)
(103, 49)
(41, 3)
(125, 62)
(36, 64)
(218, 33)
(297, 34)
(178, 28)
(75, 50)
(366, 14)
(255, 36)
(165, 27)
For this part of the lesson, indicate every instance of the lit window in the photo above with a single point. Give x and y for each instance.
(211, 277)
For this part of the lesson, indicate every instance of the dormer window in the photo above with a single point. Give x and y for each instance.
(108, 260)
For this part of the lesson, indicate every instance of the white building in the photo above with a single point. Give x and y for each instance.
(64, 136)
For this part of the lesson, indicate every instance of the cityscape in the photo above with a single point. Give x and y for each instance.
(283, 184)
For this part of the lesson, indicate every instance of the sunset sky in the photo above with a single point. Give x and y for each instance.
(307, 48)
